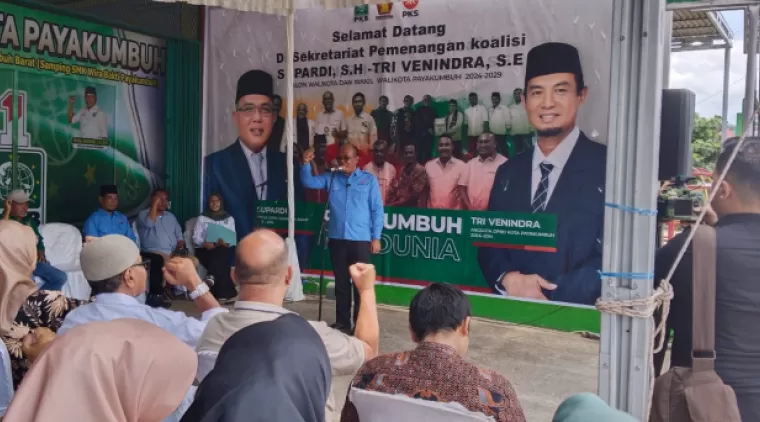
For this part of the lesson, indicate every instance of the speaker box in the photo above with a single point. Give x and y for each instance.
(676, 125)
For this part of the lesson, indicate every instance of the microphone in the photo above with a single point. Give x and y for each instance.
(333, 170)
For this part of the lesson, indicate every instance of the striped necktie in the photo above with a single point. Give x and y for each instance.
(540, 199)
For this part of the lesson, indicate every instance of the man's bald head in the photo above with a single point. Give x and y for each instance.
(261, 258)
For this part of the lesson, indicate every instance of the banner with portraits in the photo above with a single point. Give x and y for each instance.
(434, 95)
(91, 108)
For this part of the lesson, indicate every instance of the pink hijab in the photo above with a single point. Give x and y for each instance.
(123, 370)
(18, 257)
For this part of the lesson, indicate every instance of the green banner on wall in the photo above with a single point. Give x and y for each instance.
(90, 102)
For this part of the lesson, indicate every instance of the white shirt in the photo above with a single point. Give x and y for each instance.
(111, 306)
(327, 122)
(284, 142)
(93, 123)
(558, 158)
(499, 119)
(476, 117)
(201, 225)
(257, 162)
(519, 118)
(362, 131)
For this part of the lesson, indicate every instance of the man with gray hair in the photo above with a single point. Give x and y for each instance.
(263, 273)
(117, 274)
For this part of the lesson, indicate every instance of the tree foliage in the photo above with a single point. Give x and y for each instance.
(705, 141)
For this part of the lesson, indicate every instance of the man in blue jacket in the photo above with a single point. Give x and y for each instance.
(563, 175)
(356, 223)
(252, 169)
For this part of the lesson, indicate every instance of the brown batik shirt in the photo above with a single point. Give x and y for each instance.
(435, 372)
(408, 188)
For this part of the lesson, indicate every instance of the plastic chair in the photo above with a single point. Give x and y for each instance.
(63, 243)
(6, 386)
(380, 407)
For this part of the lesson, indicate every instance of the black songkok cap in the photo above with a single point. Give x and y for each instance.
(108, 189)
(90, 90)
(553, 57)
(255, 82)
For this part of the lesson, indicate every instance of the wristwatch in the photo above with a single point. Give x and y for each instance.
(199, 291)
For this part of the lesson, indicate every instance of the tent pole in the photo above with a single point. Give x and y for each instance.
(289, 92)
(638, 32)
(724, 110)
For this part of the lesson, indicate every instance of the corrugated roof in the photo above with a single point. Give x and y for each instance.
(700, 30)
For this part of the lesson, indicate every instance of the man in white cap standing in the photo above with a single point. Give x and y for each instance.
(117, 275)
(17, 208)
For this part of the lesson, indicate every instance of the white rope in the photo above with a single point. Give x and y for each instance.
(662, 295)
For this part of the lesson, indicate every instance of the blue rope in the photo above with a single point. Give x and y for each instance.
(626, 208)
(632, 276)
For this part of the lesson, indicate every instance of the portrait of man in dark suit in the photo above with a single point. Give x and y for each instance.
(252, 168)
(564, 175)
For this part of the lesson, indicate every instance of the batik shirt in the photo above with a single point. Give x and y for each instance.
(43, 308)
(435, 372)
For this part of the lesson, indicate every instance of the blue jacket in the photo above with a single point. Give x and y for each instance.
(227, 172)
(578, 203)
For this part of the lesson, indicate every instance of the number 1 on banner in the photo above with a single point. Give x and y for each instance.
(6, 110)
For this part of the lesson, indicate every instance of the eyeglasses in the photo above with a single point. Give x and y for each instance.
(248, 110)
(144, 264)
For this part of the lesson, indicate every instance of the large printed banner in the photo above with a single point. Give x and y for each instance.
(443, 83)
(91, 112)
(423, 246)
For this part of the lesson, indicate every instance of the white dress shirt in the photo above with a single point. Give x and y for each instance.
(519, 120)
(284, 142)
(93, 123)
(201, 225)
(499, 119)
(476, 117)
(558, 158)
(257, 162)
(327, 122)
(111, 306)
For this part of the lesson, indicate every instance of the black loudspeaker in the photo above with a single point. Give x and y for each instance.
(676, 125)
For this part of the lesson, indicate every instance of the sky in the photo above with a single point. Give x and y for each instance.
(702, 73)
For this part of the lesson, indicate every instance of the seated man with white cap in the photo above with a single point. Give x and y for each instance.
(117, 275)
(16, 208)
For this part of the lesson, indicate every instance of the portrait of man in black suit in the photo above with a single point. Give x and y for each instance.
(564, 175)
(252, 168)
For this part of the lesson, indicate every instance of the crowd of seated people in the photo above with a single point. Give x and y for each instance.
(118, 359)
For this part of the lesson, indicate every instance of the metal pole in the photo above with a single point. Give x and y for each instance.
(751, 78)
(632, 159)
(726, 74)
(666, 51)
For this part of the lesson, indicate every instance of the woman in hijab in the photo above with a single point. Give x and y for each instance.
(123, 370)
(275, 371)
(214, 254)
(23, 307)
(586, 407)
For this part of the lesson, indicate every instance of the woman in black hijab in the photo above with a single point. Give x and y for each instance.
(216, 256)
(275, 371)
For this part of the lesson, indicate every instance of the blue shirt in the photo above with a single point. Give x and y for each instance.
(160, 236)
(102, 223)
(356, 196)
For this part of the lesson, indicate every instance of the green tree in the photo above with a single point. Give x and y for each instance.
(705, 141)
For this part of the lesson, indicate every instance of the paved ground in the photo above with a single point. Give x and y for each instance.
(544, 366)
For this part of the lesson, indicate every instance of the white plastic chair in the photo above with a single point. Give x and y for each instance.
(380, 407)
(63, 243)
(6, 385)
(137, 234)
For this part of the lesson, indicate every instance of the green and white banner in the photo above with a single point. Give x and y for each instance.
(90, 101)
